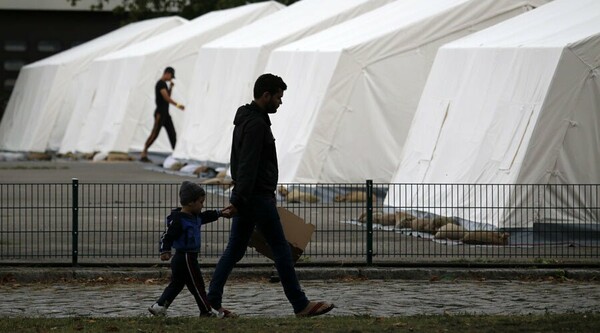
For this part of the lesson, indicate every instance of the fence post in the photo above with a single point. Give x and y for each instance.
(369, 222)
(75, 217)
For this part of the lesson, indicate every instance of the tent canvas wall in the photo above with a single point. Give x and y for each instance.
(514, 104)
(353, 88)
(115, 112)
(45, 91)
(227, 68)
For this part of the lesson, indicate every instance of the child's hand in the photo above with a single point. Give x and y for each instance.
(229, 211)
(165, 256)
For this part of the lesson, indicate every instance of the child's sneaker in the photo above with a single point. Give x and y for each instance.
(224, 313)
(207, 315)
(157, 310)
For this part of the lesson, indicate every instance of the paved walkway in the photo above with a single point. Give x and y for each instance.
(354, 297)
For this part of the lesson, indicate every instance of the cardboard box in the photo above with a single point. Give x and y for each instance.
(297, 233)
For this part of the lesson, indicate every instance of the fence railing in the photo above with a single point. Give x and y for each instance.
(368, 223)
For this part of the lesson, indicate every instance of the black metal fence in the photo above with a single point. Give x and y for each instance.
(91, 223)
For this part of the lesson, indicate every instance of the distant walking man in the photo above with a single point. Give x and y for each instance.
(162, 118)
(255, 174)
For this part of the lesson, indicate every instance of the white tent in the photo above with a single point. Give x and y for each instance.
(115, 111)
(353, 89)
(517, 103)
(227, 68)
(45, 92)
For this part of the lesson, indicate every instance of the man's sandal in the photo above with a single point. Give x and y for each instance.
(315, 309)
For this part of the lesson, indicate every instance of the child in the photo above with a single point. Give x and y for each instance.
(183, 234)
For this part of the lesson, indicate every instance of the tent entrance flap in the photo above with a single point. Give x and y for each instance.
(439, 114)
(516, 123)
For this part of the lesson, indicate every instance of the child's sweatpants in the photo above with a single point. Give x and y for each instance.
(185, 271)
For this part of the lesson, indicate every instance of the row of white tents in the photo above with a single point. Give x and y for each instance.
(227, 68)
(115, 108)
(46, 91)
(407, 91)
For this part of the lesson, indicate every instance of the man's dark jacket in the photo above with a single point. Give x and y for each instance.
(253, 156)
